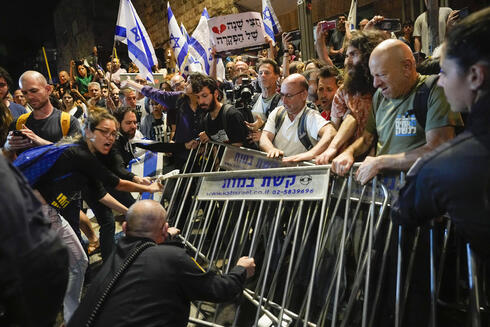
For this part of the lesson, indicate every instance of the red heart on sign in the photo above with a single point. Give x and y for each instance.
(220, 30)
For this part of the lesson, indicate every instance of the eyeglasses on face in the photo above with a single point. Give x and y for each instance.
(108, 133)
(289, 96)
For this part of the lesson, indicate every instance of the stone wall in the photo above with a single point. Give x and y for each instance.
(81, 24)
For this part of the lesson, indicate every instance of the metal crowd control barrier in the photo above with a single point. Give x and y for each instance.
(320, 241)
(310, 233)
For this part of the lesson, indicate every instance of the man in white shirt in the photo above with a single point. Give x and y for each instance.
(281, 134)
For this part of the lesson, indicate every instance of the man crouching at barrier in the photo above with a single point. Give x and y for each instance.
(295, 130)
(152, 284)
(403, 133)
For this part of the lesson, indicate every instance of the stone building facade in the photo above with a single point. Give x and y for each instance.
(81, 24)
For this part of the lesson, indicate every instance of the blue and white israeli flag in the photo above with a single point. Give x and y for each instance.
(352, 15)
(200, 43)
(177, 40)
(130, 31)
(271, 23)
(192, 64)
(147, 165)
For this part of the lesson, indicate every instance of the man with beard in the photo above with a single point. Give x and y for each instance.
(353, 101)
(222, 123)
(184, 114)
(401, 138)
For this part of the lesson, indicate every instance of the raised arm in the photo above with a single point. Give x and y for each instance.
(321, 46)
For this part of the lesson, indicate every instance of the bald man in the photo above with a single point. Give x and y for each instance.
(44, 124)
(281, 134)
(401, 138)
(158, 286)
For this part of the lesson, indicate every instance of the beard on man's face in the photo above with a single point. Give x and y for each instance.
(209, 107)
(358, 79)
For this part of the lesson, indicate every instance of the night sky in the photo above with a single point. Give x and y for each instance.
(25, 26)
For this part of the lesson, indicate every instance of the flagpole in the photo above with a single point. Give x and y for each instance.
(47, 66)
(109, 86)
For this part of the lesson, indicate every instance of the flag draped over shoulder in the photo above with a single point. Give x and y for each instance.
(130, 31)
(177, 40)
(271, 23)
(352, 15)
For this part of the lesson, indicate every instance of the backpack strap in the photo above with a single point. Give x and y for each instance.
(280, 115)
(224, 115)
(255, 97)
(274, 103)
(21, 120)
(302, 131)
(420, 105)
(65, 123)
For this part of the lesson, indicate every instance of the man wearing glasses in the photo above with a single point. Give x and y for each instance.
(295, 130)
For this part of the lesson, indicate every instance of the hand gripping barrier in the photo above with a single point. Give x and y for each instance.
(321, 242)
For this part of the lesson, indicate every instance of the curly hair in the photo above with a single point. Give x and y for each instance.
(5, 120)
(359, 79)
(6, 76)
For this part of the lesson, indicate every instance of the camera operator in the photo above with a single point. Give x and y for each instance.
(222, 123)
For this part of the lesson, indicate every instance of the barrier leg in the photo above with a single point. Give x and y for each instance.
(268, 261)
(474, 302)
(409, 272)
(290, 265)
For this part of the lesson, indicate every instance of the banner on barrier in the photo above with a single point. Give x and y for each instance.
(286, 186)
(235, 158)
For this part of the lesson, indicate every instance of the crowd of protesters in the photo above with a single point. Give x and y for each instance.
(354, 103)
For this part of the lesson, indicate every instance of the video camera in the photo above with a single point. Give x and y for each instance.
(241, 97)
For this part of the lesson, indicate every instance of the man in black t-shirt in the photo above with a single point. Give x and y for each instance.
(336, 43)
(222, 123)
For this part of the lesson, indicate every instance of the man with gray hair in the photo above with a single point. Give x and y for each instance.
(95, 93)
(157, 287)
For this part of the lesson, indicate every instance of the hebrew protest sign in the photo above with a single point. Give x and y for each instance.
(243, 31)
